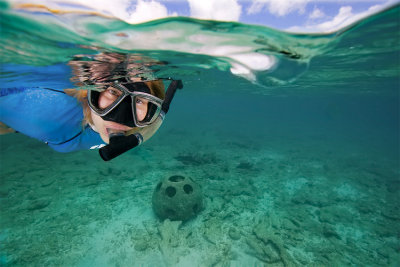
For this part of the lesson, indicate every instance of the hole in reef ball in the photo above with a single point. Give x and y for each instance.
(176, 178)
(188, 189)
(170, 191)
(195, 208)
(158, 186)
(170, 213)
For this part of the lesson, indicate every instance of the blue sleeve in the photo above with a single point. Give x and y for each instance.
(48, 115)
(87, 139)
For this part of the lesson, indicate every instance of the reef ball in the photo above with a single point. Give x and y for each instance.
(177, 198)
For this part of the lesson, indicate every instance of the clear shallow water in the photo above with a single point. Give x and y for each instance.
(298, 158)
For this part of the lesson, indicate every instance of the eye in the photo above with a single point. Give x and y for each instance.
(141, 101)
(113, 91)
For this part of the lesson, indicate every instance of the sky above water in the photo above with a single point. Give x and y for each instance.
(289, 15)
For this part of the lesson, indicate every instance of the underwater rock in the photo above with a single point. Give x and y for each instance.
(328, 231)
(212, 230)
(141, 245)
(288, 225)
(110, 172)
(313, 195)
(268, 247)
(177, 198)
(47, 181)
(229, 211)
(4, 192)
(380, 229)
(391, 213)
(169, 232)
(268, 252)
(38, 204)
(335, 214)
(111, 195)
(222, 255)
(234, 233)
(245, 165)
(89, 181)
(197, 159)
(312, 198)
(144, 239)
(170, 239)
(365, 207)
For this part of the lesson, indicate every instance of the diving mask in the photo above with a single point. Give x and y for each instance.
(130, 104)
(124, 108)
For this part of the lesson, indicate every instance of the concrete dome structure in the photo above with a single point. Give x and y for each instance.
(177, 198)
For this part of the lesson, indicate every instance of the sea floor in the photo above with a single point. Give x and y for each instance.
(278, 201)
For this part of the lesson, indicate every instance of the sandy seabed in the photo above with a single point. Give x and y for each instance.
(277, 201)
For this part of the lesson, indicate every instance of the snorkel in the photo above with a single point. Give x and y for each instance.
(120, 143)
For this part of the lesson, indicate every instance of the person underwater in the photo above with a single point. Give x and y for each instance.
(114, 114)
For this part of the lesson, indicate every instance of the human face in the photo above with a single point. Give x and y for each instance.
(106, 98)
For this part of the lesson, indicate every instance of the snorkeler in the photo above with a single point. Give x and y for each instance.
(119, 110)
(117, 113)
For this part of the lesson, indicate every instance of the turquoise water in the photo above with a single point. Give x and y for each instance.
(294, 140)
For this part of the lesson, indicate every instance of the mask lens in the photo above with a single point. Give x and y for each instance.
(104, 101)
(109, 97)
(146, 109)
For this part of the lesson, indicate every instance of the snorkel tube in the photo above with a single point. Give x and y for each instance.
(120, 143)
(169, 95)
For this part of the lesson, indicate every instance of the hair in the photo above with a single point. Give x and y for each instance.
(156, 88)
(81, 96)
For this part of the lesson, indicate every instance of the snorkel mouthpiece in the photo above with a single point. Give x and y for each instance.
(113, 132)
(119, 143)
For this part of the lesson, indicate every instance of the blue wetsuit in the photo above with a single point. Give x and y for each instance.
(48, 115)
